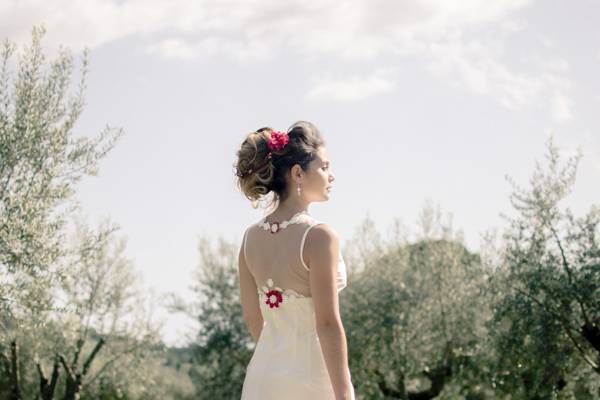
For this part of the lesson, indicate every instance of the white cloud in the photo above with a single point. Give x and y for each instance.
(561, 108)
(558, 65)
(180, 49)
(352, 88)
(173, 48)
(357, 28)
(480, 68)
(82, 23)
(446, 35)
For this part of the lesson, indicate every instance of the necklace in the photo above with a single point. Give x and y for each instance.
(276, 226)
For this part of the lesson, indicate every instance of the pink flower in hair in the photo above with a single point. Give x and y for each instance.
(278, 140)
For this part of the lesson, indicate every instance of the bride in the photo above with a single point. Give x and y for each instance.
(291, 271)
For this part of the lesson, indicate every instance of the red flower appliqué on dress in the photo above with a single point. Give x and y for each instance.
(274, 294)
(274, 297)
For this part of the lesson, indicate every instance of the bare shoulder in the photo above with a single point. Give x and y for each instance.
(322, 233)
(247, 231)
(323, 261)
(251, 227)
(322, 241)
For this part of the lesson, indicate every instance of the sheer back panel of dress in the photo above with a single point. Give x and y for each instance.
(274, 259)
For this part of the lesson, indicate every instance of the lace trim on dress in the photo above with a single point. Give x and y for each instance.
(297, 218)
(274, 295)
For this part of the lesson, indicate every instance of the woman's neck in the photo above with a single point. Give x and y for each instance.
(286, 211)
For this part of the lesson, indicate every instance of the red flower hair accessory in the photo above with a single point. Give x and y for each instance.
(277, 141)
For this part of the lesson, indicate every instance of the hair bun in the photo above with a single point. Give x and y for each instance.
(259, 172)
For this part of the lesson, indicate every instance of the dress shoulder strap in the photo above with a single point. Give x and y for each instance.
(312, 223)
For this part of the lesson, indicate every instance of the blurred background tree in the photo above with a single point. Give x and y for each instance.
(223, 346)
(73, 311)
(414, 316)
(40, 163)
(547, 319)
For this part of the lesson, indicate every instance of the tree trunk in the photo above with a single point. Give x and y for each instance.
(15, 393)
(439, 376)
(47, 387)
(74, 386)
(591, 331)
(75, 378)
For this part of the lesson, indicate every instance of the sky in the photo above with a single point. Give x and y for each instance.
(417, 100)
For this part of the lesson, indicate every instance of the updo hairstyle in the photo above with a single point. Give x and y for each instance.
(304, 141)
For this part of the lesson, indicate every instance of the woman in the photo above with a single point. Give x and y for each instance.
(291, 271)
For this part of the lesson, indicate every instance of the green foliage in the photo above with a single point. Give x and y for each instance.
(40, 163)
(222, 350)
(414, 316)
(547, 321)
(61, 298)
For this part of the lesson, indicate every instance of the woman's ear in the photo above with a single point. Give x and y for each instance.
(296, 172)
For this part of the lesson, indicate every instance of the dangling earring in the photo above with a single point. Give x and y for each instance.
(299, 190)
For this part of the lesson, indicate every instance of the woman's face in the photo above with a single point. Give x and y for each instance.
(319, 178)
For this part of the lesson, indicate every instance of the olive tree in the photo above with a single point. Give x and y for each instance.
(547, 318)
(105, 306)
(40, 163)
(74, 321)
(222, 347)
(40, 159)
(414, 315)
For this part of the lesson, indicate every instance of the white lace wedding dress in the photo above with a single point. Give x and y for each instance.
(288, 362)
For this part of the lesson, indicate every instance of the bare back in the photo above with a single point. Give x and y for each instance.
(280, 257)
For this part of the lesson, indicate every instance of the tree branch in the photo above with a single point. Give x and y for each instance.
(568, 270)
(47, 389)
(112, 360)
(78, 347)
(54, 378)
(43, 379)
(92, 355)
(65, 365)
(568, 329)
